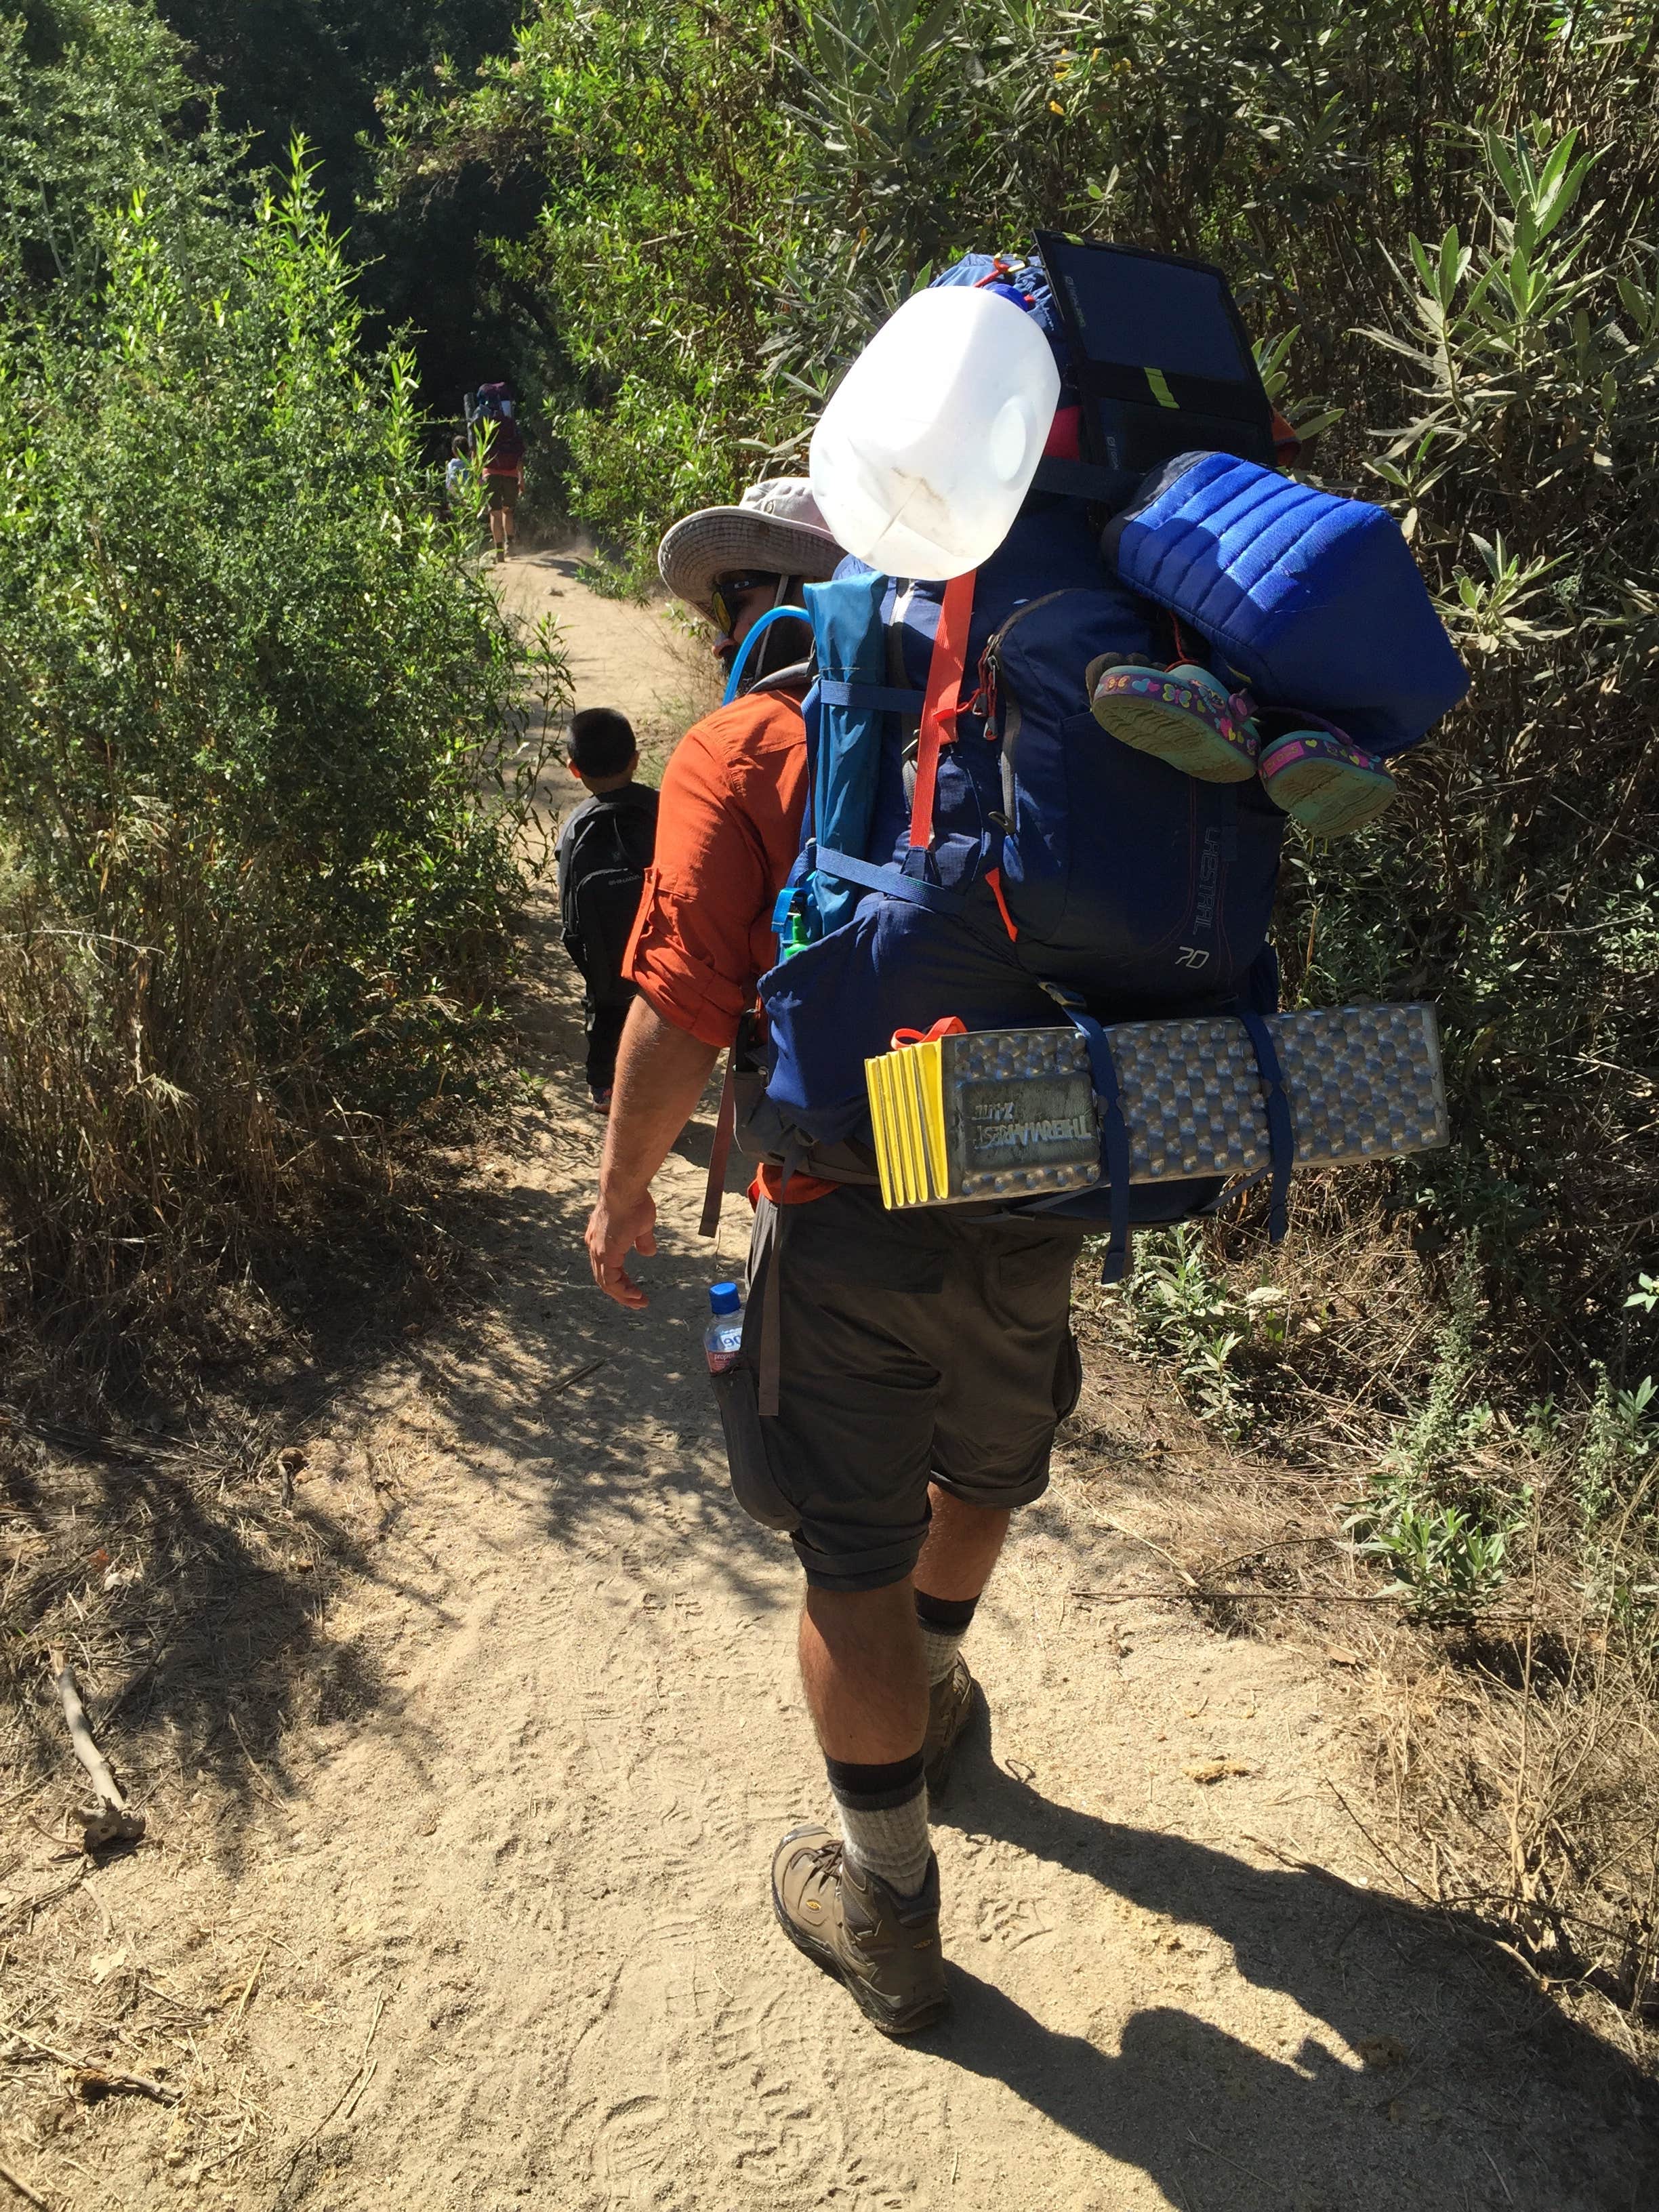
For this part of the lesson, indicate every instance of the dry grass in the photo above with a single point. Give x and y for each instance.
(1514, 1751)
(701, 680)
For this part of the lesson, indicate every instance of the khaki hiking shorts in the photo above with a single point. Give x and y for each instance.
(915, 1347)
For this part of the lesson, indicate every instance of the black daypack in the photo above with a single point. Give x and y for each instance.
(603, 877)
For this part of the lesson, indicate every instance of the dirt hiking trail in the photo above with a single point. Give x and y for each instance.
(485, 1923)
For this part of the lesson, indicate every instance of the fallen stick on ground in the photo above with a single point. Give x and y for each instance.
(250, 1984)
(110, 1821)
(557, 1389)
(90, 2077)
(22, 2189)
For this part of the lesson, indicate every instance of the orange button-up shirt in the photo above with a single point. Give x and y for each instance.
(727, 829)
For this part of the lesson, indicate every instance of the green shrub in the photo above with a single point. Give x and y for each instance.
(259, 779)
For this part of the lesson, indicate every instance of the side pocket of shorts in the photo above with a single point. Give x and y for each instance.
(1068, 1375)
(737, 1392)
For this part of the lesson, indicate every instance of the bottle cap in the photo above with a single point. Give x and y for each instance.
(725, 1299)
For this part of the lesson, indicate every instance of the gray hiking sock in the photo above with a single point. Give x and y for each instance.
(943, 1622)
(940, 1647)
(883, 1820)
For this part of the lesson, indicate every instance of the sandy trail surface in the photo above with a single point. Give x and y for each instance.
(487, 1925)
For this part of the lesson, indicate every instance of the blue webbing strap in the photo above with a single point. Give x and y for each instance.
(877, 698)
(935, 896)
(1281, 1132)
(1115, 1139)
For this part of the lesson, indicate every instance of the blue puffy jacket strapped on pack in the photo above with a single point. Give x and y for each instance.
(1314, 602)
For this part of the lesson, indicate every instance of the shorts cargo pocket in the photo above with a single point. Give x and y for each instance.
(1068, 1376)
(737, 1396)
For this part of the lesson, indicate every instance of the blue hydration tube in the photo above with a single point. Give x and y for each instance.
(772, 615)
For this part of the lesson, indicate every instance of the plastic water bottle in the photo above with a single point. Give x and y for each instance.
(924, 454)
(722, 1340)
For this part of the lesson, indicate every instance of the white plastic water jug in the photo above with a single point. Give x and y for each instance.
(930, 442)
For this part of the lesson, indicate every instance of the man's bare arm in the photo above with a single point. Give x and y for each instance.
(660, 1074)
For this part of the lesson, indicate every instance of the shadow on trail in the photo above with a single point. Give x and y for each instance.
(197, 1626)
(601, 1419)
(1220, 2127)
(203, 1635)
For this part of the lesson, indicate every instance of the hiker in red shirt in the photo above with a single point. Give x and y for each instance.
(924, 1358)
(497, 438)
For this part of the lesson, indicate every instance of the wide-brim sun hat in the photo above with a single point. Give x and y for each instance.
(775, 530)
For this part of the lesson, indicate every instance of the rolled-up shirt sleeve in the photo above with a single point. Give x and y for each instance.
(726, 827)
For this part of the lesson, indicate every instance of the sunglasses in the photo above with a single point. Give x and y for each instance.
(726, 594)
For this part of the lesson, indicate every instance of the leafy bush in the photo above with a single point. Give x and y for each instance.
(665, 165)
(1178, 1307)
(259, 779)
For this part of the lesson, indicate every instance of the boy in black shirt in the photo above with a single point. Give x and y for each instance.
(603, 851)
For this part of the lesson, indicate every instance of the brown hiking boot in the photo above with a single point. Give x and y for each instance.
(950, 1708)
(885, 1947)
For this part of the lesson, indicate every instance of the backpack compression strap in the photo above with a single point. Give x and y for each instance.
(943, 701)
(1281, 1130)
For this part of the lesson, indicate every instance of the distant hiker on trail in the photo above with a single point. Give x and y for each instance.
(498, 447)
(605, 850)
(926, 1358)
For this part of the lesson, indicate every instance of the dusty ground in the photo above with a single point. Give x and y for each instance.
(480, 1919)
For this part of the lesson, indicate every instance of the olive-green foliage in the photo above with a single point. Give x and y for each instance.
(666, 170)
(90, 92)
(329, 69)
(321, 67)
(256, 790)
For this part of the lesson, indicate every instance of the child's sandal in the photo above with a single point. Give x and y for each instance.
(1181, 714)
(1324, 781)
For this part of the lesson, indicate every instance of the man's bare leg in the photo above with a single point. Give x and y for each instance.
(862, 1663)
(963, 1544)
(869, 1911)
(862, 1651)
(869, 1659)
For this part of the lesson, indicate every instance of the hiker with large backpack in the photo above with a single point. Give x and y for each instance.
(605, 850)
(498, 445)
(1015, 981)
(928, 1360)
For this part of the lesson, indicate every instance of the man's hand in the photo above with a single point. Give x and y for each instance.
(613, 1231)
(660, 1072)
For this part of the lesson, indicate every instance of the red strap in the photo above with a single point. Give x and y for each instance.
(993, 876)
(942, 702)
(946, 1025)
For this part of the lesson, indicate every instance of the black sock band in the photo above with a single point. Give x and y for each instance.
(874, 1789)
(945, 1612)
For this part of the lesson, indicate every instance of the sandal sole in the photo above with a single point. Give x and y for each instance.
(1329, 799)
(1182, 740)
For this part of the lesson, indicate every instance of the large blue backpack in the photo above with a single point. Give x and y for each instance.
(1038, 864)
(1062, 868)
